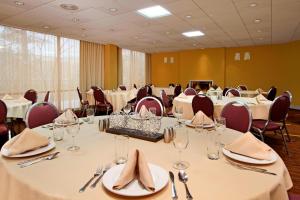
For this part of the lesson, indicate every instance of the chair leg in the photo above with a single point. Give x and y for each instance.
(261, 136)
(284, 142)
(287, 133)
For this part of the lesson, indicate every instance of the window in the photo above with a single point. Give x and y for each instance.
(30, 60)
(133, 68)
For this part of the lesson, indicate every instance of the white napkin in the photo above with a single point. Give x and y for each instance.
(22, 99)
(230, 95)
(218, 89)
(259, 90)
(201, 92)
(67, 117)
(91, 91)
(211, 89)
(182, 95)
(7, 97)
(261, 98)
(201, 118)
(144, 113)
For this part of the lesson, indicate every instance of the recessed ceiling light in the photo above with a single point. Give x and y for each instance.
(260, 38)
(168, 33)
(46, 27)
(154, 12)
(69, 6)
(19, 3)
(253, 5)
(194, 45)
(75, 19)
(259, 31)
(193, 34)
(113, 9)
(257, 21)
(188, 16)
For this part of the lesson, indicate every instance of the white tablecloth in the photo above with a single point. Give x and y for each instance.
(118, 99)
(61, 178)
(17, 108)
(168, 90)
(258, 110)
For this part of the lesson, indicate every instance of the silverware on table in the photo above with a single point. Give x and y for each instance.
(174, 193)
(183, 177)
(27, 163)
(107, 167)
(97, 173)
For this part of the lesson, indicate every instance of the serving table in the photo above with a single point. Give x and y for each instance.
(61, 178)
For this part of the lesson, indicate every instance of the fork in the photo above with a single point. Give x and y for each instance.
(107, 167)
(97, 173)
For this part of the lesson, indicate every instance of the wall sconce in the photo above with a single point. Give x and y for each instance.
(247, 56)
(172, 60)
(237, 56)
(165, 60)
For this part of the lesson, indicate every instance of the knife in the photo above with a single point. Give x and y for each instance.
(49, 157)
(174, 193)
(37, 158)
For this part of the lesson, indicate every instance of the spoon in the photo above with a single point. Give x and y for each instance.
(183, 177)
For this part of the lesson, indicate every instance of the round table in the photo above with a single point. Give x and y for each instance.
(17, 108)
(62, 177)
(258, 110)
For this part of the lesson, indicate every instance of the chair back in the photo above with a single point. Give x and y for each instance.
(134, 85)
(150, 102)
(149, 90)
(190, 91)
(171, 85)
(79, 94)
(233, 91)
(177, 90)
(99, 95)
(238, 116)
(122, 87)
(3, 112)
(279, 108)
(165, 99)
(40, 113)
(225, 90)
(288, 94)
(272, 93)
(242, 87)
(203, 103)
(94, 87)
(46, 99)
(31, 95)
(141, 93)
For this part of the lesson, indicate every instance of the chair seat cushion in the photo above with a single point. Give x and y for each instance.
(3, 129)
(260, 124)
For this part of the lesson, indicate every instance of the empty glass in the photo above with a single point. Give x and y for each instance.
(58, 132)
(90, 115)
(121, 148)
(180, 142)
(212, 146)
(73, 130)
(178, 112)
(127, 108)
(220, 124)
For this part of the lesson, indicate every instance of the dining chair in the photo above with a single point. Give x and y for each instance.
(150, 102)
(177, 91)
(203, 103)
(233, 91)
(294, 196)
(122, 87)
(84, 104)
(40, 113)
(167, 103)
(276, 120)
(134, 86)
(290, 96)
(101, 103)
(225, 90)
(190, 91)
(46, 98)
(242, 87)
(149, 90)
(237, 116)
(272, 93)
(31, 95)
(3, 127)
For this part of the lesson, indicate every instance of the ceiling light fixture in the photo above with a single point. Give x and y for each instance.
(259, 31)
(75, 19)
(168, 33)
(19, 3)
(46, 27)
(193, 34)
(188, 16)
(113, 9)
(69, 6)
(257, 21)
(253, 5)
(154, 12)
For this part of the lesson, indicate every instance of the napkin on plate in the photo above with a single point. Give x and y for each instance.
(26, 141)
(67, 117)
(211, 89)
(218, 89)
(201, 92)
(201, 118)
(7, 97)
(144, 113)
(261, 98)
(259, 90)
(250, 146)
(230, 95)
(182, 95)
(136, 167)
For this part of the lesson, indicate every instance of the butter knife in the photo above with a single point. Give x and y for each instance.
(36, 158)
(49, 157)
(174, 193)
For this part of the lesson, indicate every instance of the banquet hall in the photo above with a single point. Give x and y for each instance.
(149, 99)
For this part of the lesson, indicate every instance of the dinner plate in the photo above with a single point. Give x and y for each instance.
(246, 159)
(134, 189)
(44, 149)
(189, 124)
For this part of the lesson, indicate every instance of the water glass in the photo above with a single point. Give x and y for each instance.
(127, 108)
(212, 146)
(180, 142)
(90, 115)
(220, 124)
(73, 130)
(58, 132)
(178, 112)
(121, 148)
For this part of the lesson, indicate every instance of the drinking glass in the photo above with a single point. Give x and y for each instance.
(180, 142)
(73, 130)
(58, 131)
(127, 109)
(121, 148)
(212, 146)
(220, 124)
(90, 115)
(178, 114)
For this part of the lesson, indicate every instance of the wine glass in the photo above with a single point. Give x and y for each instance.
(178, 112)
(127, 109)
(73, 130)
(180, 142)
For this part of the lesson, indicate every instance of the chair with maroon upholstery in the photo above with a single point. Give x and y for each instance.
(242, 87)
(150, 102)
(294, 196)
(272, 93)
(167, 102)
(40, 113)
(3, 127)
(234, 92)
(102, 106)
(203, 103)
(290, 96)
(177, 90)
(84, 104)
(237, 116)
(31, 95)
(225, 90)
(190, 91)
(46, 99)
(122, 87)
(276, 120)
(149, 90)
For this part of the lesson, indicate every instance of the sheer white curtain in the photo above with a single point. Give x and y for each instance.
(30, 60)
(133, 68)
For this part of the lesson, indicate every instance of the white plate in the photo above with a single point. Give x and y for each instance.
(44, 149)
(134, 189)
(189, 124)
(246, 159)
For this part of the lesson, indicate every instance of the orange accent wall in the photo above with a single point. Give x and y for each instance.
(277, 65)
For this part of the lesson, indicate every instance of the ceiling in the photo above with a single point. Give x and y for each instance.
(226, 23)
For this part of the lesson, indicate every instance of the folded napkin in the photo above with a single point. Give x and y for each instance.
(7, 97)
(201, 118)
(67, 117)
(136, 167)
(27, 140)
(182, 96)
(230, 95)
(201, 92)
(91, 91)
(218, 89)
(259, 90)
(261, 98)
(250, 146)
(144, 113)
(211, 89)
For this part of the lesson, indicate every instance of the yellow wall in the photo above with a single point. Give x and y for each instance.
(277, 65)
(110, 67)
